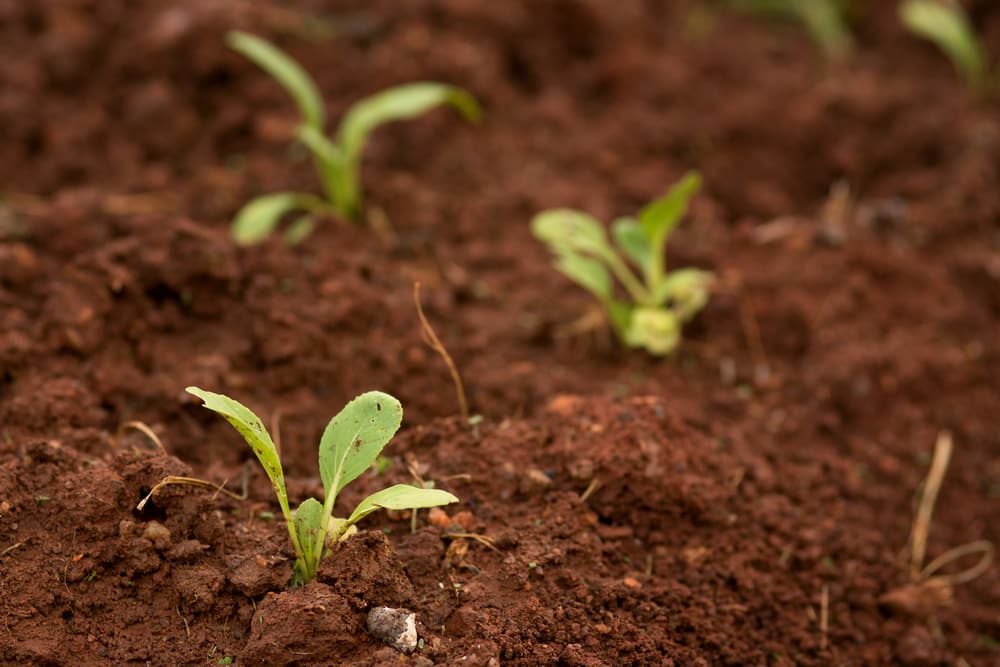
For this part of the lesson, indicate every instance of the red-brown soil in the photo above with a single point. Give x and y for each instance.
(689, 511)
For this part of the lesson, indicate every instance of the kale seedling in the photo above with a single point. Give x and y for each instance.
(350, 443)
(338, 160)
(660, 302)
(946, 24)
(826, 20)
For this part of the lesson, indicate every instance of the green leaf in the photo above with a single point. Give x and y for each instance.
(586, 272)
(629, 236)
(948, 27)
(256, 220)
(252, 429)
(570, 229)
(401, 497)
(308, 521)
(661, 216)
(399, 103)
(355, 437)
(285, 71)
(299, 230)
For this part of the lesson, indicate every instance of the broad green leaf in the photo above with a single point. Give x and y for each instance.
(285, 71)
(261, 216)
(308, 519)
(628, 235)
(574, 230)
(398, 103)
(660, 217)
(948, 27)
(355, 437)
(299, 230)
(252, 429)
(586, 272)
(401, 497)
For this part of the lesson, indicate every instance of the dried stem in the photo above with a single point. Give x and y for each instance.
(191, 481)
(922, 521)
(438, 346)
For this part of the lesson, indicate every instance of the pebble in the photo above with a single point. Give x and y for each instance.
(395, 627)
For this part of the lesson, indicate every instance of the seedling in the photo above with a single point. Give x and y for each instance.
(660, 302)
(826, 20)
(946, 24)
(338, 159)
(350, 444)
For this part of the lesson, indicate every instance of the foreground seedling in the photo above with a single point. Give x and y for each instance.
(946, 24)
(350, 443)
(338, 159)
(660, 302)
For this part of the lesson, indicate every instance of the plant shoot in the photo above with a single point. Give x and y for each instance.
(337, 158)
(351, 442)
(658, 302)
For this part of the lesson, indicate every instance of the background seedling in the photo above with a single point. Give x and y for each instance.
(946, 24)
(338, 159)
(660, 302)
(826, 20)
(350, 444)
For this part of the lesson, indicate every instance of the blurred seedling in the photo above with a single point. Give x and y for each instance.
(825, 20)
(658, 302)
(337, 158)
(946, 25)
(351, 442)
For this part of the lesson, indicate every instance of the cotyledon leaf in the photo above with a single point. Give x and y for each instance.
(355, 437)
(401, 497)
(252, 429)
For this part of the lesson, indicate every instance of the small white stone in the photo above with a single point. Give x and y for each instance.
(395, 627)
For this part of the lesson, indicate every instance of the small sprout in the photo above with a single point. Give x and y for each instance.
(92, 575)
(228, 660)
(350, 443)
(660, 302)
(946, 24)
(532, 565)
(267, 516)
(826, 20)
(42, 499)
(338, 160)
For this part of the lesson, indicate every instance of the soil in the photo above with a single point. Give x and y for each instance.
(746, 502)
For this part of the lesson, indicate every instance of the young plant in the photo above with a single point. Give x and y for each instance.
(659, 302)
(826, 20)
(946, 24)
(351, 442)
(337, 159)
